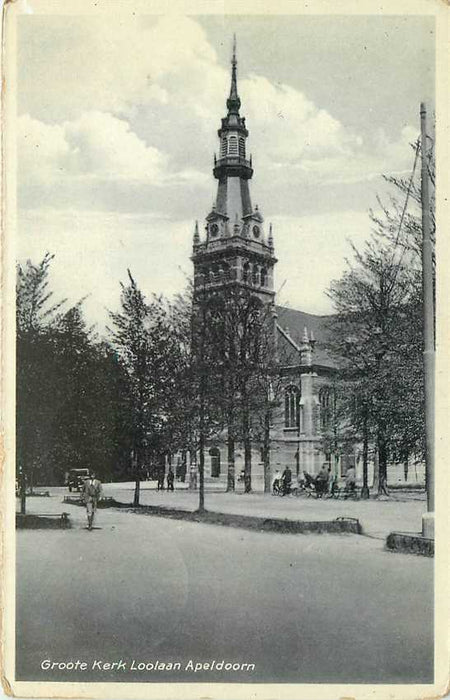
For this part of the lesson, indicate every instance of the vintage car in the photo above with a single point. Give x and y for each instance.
(76, 478)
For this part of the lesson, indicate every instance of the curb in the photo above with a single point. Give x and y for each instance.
(409, 543)
(248, 522)
(48, 521)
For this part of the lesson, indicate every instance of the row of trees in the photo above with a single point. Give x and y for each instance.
(376, 336)
(171, 376)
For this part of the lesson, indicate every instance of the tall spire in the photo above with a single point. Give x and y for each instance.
(233, 102)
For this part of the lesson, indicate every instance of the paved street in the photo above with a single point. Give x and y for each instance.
(302, 608)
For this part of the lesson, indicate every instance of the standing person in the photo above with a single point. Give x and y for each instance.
(170, 477)
(286, 481)
(350, 481)
(91, 494)
(193, 477)
(161, 475)
(276, 482)
(322, 481)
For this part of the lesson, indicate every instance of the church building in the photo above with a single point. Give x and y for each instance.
(238, 248)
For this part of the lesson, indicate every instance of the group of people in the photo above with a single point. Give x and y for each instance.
(325, 482)
(170, 479)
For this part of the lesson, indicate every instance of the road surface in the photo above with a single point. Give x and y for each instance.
(301, 608)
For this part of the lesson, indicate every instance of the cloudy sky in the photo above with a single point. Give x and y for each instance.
(117, 127)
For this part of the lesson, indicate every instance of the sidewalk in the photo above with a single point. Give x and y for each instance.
(377, 517)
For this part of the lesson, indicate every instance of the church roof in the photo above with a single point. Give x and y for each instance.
(293, 322)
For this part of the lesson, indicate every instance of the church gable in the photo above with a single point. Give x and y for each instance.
(293, 322)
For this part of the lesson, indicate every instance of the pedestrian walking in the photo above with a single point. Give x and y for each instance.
(170, 478)
(91, 494)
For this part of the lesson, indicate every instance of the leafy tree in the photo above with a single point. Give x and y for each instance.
(68, 387)
(238, 346)
(377, 332)
(141, 336)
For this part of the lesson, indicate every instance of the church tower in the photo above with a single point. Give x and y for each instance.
(236, 249)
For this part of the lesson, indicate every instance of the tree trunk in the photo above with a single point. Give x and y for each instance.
(201, 447)
(365, 487)
(376, 472)
(266, 452)
(201, 472)
(137, 476)
(382, 464)
(247, 448)
(231, 481)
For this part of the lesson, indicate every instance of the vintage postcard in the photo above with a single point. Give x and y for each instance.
(224, 336)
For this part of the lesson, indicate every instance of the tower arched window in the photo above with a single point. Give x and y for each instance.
(246, 272)
(232, 145)
(292, 407)
(241, 146)
(226, 269)
(223, 151)
(263, 277)
(326, 409)
(255, 274)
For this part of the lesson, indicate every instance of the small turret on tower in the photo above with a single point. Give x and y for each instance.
(270, 241)
(196, 239)
(306, 349)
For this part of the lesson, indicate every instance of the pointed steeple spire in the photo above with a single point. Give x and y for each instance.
(233, 102)
(196, 240)
(270, 237)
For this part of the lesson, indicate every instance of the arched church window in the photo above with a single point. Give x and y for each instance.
(255, 275)
(223, 151)
(226, 269)
(246, 272)
(263, 277)
(232, 146)
(242, 147)
(325, 408)
(292, 407)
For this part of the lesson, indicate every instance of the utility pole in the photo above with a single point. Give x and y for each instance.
(428, 330)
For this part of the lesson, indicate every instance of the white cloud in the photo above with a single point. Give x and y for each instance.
(140, 109)
(103, 145)
(94, 249)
